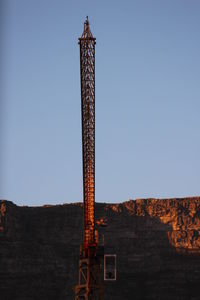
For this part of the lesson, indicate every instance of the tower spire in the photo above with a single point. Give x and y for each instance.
(87, 34)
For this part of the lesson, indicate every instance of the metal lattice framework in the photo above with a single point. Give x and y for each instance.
(89, 285)
(87, 64)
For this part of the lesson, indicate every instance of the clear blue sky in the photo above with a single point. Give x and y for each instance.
(147, 99)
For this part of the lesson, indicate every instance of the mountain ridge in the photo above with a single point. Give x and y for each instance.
(157, 243)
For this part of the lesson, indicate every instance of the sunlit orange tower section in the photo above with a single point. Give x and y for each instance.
(89, 286)
(87, 68)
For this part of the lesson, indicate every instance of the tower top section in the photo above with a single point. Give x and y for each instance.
(87, 34)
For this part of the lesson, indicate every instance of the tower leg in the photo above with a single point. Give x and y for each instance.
(89, 286)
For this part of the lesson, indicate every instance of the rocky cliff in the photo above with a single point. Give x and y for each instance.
(157, 243)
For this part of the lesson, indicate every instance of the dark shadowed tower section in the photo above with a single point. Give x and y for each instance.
(89, 285)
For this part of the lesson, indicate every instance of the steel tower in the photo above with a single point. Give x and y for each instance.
(89, 286)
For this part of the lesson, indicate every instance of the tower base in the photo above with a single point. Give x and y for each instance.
(89, 286)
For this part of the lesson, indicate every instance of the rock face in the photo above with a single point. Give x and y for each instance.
(157, 243)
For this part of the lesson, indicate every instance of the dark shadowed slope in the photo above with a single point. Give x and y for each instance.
(157, 244)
